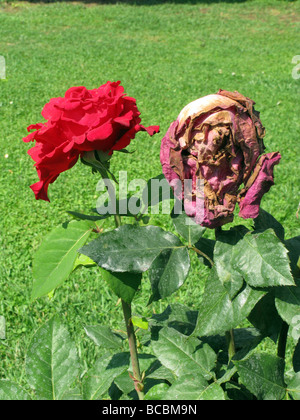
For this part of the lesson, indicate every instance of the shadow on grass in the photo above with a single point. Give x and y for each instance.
(138, 2)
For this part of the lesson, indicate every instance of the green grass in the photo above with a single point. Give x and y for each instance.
(166, 55)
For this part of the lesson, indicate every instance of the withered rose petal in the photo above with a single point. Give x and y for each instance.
(167, 147)
(217, 140)
(249, 204)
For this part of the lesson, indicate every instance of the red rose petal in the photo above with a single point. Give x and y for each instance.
(102, 119)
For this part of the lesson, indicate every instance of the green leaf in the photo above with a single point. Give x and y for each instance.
(237, 392)
(293, 246)
(262, 260)
(100, 377)
(73, 395)
(146, 360)
(157, 392)
(263, 375)
(218, 312)
(288, 306)
(231, 279)
(89, 217)
(124, 383)
(296, 358)
(266, 221)
(55, 258)
(177, 316)
(83, 261)
(103, 336)
(246, 339)
(9, 391)
(140, 322)
(158, 371)
(124, 285)
(182, 354)
(187, 228)
(130, 248)
(288, 298)
(293, 387)
(168, 272)
(191, 386)
(265, 318)
(52, 363)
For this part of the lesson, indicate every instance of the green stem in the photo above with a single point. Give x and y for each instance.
(117, 220)
(230, 343)
(281, 349)
(202, 254)
(137, 377)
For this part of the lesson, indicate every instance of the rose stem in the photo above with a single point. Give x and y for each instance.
(137, 378)
(202, 254)
(229, 334)
(117, 220)
(133, 350)
(282, 340)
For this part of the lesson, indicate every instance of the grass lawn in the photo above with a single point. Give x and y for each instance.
(166, 54)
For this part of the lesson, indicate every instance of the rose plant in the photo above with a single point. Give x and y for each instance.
(251, 294)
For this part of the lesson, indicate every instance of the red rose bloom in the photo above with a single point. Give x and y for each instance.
(83, 120)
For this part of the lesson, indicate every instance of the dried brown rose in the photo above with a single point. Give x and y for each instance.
(218, 139)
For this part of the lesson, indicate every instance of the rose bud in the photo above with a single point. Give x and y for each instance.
(102, 119)
(217, 142)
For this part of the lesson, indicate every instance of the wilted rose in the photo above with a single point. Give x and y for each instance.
(102, 119)
(218, 139)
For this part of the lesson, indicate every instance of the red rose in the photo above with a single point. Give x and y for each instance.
(83, 120)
